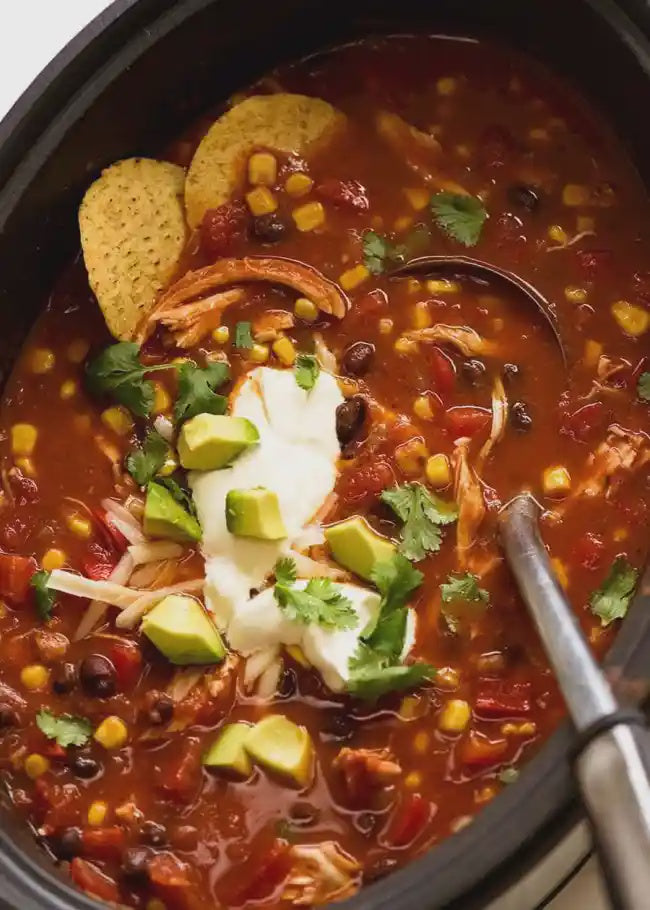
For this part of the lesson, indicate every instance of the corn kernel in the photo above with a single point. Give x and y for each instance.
(585, 223)
(118, 420)
(422, 315)
(557, 234)
(284, 350)
(348, 386)
(560, 570)
(455, 716)
(403, 223)
(81, 527)
(575, 294)
(35, 765)
(97, 812)
(556, 481)
(421, 742)
(259, 353)
(112, 733)
(385, 326)
(162, 401)
(523, 728)
(296, 652)
(447, 678)
(633, 320)
(305, 309)
(221, 334)
(34, 676)
(538, 134)
(53, 559)
(68, 389)
(23, 438)
(422, 407)
(418, 197)
(262, 169)
(405, 345)
(353, 277)
(484, 795)
(620, 534)
(169, 465)
(261, 201)
(438, 471)
(446, 86)
(77, 350)
(309, 216)
(592, 352)
(413, 285)
(413, 780)
(409, 707)
(27, 466)
(298, 185)
(411, 456)
(42, 360)
(575, 194)
(442, 286)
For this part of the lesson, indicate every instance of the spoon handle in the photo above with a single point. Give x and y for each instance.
(612, 768)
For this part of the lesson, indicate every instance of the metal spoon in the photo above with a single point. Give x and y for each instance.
(611, 761)
(457, 266)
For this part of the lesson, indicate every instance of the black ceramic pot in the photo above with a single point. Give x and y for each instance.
(133, 79)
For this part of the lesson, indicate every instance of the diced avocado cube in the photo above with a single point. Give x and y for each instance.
(357, 547)
(254, 513)
(164, 517)
(282, 747)
(227, 752)
(211, 441)
(181, 630)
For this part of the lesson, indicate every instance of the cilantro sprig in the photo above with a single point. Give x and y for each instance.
(44, 598)
(422, 514)
(118, 373)
(182, 496)
(643, 387)
(65, 729)
(380, 253)
(243, 336)
(612, 599)
(321, 601)
(197, 390)
(306, 370)
(461, 589)
(460, 216)
(144, 463)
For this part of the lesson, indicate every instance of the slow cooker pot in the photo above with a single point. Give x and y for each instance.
(132, 80)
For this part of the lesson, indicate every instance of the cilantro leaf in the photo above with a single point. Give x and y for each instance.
(643, 387)
(612, 599)
(118, 373)
(422, 513)
(66, 729)
(307, 371)
(44, 597)
(182, 496)
(144, 463)
(243, 335)
(463, 587)
(197, 390)
(370, 680)
(379, 252)
(395, 579)
(460, 216)
(320, 601)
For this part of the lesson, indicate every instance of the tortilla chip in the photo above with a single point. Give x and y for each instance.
(293, 124)
(133, 232)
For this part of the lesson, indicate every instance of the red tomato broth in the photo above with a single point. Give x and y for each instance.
(230, 833)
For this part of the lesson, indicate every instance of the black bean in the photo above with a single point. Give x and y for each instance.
(97, 676)
(268, 228)
(84, 766)
(8, 717)
(288, 684)
(524, 197)
(520, 416)
(350, 417)
(159, 707)
(66, 844)
(510, 372)
(135, 865)
(64, 678)
(339, 725)
(153, 834)
(379, 867)
(473, 371)
(357, 358)
(303, 814)
(365, 823)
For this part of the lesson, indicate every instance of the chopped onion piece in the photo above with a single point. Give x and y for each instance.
(257, 664)
(97, 608)
(154, 551)
(116, 595)
(124, 521)
(311, 536)
(499, 420)
(164, 427)
(267, 685)
(145, 600)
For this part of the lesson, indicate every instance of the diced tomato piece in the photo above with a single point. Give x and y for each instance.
(111, 534)
(478, 751)
(370, 304)
(589, 550)
(594, 262)
(363, 484)
(103, 843)
(498, 700)
(271, 871)
(126, 657)
(181, 778)
(586, 420)
(55, 751)
(409, 820)
(15, 576)
(98, 563)
(466, 420)
(349, 193)
(223, 228)
(443, 370)
(88, 877)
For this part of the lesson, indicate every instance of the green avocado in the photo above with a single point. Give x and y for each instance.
(255, 513)
(181, 630)
(283, 748)
(357, 547)
(211, 441)
(227, 752)
(164, 517)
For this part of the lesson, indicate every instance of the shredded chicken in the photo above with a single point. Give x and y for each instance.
(325, 357)
(621, 452)
(468, 342)
(320, 873)
(499, 421)
(191, 322)
(219, 679)
(571, 241)
(257, 664)
(270, 325)
(304, 279)
(110, 451)
(471, 505)
(364, 770)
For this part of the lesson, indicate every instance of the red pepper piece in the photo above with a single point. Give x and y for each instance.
(223, 228)
(103, 843)
(98, 563)
(477, 751)
(409, 820)
(348, 193)
(589, 550)
(466, 420)
(171, 881)
(443, 370)
(181, 778)
(126, 657)
(88, 877)
(364, 484)
(371, 304)
(271, 871)
(111, 534)
(15, 576)
(499, 700)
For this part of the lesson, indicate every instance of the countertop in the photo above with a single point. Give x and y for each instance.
(32, 33)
